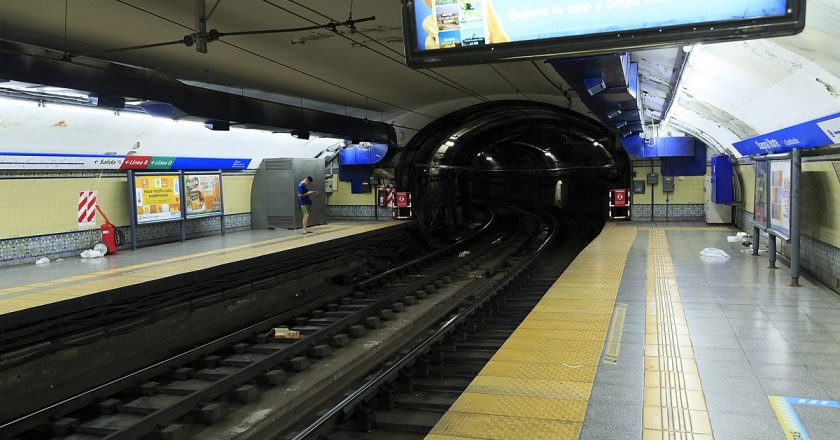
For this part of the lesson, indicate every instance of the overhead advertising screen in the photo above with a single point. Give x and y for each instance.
(158, 197)
(453, 32)
(762, 194)
(203, 195)
(780, 175)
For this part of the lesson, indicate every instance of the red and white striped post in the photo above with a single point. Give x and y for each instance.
(87, 209)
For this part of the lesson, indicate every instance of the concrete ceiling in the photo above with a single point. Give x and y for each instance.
(728, 92)
(361, 73)
(734, 91)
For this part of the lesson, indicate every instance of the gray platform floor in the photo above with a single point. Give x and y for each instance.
(22, 275)
(753, 335)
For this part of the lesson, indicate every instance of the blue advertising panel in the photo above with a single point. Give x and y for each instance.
(723, 190)
(435, 27)
(637, 147)
(817, 133)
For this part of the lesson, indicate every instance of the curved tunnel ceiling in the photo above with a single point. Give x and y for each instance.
(735, 91)
(511, 136)
(730, 91)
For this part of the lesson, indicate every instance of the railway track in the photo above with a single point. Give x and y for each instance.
(36, 337)
(194, 387)
(407, 396)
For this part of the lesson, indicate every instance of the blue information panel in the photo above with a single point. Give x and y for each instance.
(449, 32)
(817, 133)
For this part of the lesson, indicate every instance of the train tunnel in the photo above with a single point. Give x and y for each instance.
(405, 220)
(510, 149)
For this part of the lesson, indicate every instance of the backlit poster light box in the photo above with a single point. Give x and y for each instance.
(458, 32)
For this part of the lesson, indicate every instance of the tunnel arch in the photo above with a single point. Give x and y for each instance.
(513, 149)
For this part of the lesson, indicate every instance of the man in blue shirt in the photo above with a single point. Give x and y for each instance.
(304, 201)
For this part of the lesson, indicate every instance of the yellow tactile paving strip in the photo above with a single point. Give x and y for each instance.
(689, 228)
(33, 295)
(674, 405)
(537, 385)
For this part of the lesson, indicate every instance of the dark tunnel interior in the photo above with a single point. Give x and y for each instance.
(526, 151)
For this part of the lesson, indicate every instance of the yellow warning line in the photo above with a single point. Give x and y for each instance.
(674, 404)
(537, 386)
(33, 295)
(688, 228)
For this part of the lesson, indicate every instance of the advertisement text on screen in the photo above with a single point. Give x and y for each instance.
(440, 33)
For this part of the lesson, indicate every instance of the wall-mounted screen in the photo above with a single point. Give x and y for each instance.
(203, 195)
(457, 32)
(157, 197)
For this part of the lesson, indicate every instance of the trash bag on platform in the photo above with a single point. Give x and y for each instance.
(90, 253)
(714, 254)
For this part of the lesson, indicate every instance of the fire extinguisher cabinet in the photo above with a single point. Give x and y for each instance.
(619, 204)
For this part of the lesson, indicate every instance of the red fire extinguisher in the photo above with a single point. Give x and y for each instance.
(108, 236)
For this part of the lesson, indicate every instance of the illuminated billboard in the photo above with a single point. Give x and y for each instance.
(453, 32)
(203, 195)
(157, 197)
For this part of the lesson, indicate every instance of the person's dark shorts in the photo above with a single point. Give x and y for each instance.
(304, 209)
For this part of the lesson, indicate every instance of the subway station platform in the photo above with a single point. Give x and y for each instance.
(33, 291)
(641, 338)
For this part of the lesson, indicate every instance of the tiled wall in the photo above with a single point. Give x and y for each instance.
(38, 213)
(692, 212)
(818, 258)
(357, 212)
(45, 204)
(687, 191)
(343, 195)
(29, 249)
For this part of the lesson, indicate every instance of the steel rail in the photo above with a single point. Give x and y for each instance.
(447, 327)
(36, 418)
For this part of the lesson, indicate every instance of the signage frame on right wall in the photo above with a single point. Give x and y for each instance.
(761, 194)
(779, 197)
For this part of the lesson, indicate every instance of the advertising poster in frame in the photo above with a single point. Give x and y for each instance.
(203, 195)
(780, 197)
(157, 198)
(762, 194)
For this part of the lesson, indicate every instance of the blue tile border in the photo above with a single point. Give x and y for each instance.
(692, 212)
(28, 249)
(358, 212)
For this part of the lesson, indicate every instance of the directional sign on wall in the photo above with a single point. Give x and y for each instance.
(51, 161)
(817, 133)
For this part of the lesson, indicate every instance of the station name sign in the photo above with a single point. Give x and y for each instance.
(459, 32)
(58, 161)
(817, 133)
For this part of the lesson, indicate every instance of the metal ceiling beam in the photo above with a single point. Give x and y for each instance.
(44, 66)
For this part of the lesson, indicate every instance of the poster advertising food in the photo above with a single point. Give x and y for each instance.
(761, 194)
(780, 175)
(203, 194)
(158, 197)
